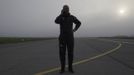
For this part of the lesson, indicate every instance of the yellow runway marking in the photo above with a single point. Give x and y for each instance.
(81, 61)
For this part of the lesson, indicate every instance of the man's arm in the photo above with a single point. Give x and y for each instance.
(58, 19)
(78, 24)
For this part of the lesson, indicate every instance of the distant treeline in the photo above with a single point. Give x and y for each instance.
(119, 37)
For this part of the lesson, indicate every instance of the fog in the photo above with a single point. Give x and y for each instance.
(35, 18)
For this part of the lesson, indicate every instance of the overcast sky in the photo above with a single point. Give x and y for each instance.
(35, 18)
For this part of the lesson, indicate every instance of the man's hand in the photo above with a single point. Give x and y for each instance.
(74, 30)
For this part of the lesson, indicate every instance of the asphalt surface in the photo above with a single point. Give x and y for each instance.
(93, 56)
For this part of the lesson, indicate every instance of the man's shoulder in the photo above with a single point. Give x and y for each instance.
(72, 16)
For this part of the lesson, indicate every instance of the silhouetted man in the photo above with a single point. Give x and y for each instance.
(66, 38)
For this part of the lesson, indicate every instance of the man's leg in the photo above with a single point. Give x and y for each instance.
(62, 52)
(70, 47)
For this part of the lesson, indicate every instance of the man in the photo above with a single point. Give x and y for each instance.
(66, 38)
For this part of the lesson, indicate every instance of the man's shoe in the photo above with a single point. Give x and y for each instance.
(71, 71)
(62, 71)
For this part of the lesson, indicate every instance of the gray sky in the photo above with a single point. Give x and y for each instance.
(35, 18)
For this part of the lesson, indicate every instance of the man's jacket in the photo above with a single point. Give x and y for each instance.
(66, 24)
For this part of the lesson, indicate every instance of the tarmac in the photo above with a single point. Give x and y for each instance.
(92, 56)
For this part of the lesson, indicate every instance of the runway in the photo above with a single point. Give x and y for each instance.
(93, 56)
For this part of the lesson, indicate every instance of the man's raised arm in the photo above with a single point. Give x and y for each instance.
(58, 19)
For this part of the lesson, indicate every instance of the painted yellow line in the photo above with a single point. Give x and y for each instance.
(98, 56)
(81, 61)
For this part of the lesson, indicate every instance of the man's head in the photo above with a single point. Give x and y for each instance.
(65, 9)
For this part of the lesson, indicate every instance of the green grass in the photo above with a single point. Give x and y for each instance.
(7, 40)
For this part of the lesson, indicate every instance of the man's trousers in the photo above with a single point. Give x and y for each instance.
(66, 43)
